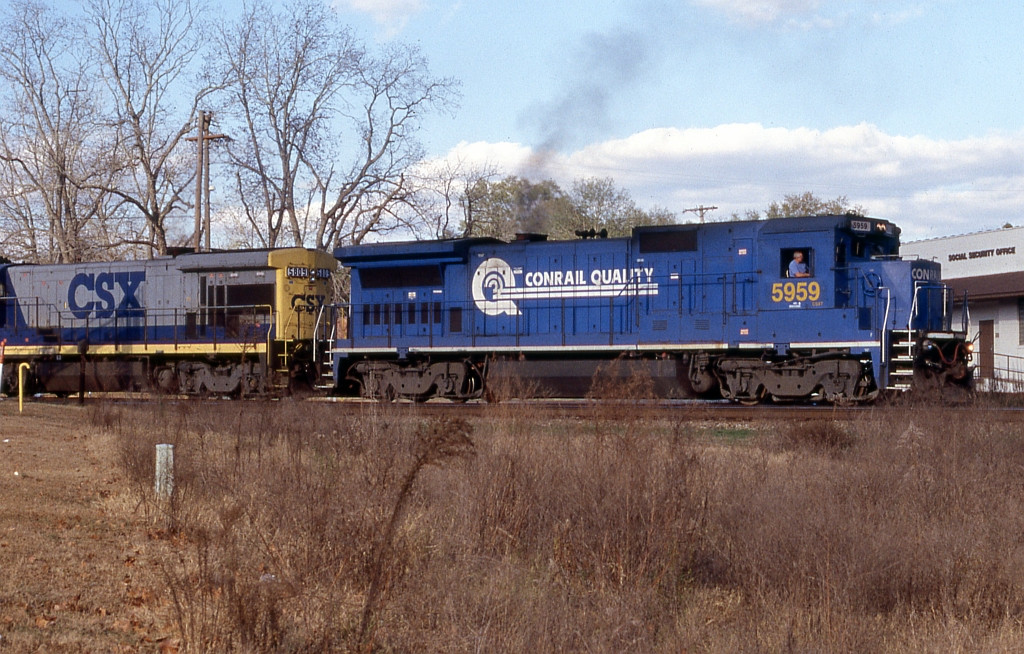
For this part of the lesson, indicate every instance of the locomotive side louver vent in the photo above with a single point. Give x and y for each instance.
(702, 324)
(659, 325)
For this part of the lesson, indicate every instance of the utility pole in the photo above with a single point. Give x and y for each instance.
(202, 140)
(700, 211)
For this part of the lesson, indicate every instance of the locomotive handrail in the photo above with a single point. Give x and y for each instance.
(19, 301)
(965, 317)
(316, 326)
(947, 308)
(913, 306)
(316, 331)
(120, 318)
(885, 323)
(946, 304)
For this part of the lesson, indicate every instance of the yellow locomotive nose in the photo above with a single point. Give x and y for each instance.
(303, 287)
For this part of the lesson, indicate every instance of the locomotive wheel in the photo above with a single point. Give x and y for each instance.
(701, 379)
(166, 380)
(473, 386)
(756, 398)
(10, 385)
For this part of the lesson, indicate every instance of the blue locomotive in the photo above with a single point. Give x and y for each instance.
(794, 309)
(197, 323)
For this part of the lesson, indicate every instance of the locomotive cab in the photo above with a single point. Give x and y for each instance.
(861, 301)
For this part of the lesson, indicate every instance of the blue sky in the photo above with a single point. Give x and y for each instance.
(911, 109)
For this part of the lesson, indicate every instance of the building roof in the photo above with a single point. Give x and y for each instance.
(989, 287)
(1002, 230)
(979, 256)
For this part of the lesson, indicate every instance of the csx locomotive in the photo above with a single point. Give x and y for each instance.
(220, 323)
(707, 309)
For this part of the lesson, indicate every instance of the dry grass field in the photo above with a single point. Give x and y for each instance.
(295, 527)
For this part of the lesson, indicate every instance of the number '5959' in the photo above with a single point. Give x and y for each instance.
(796, 291)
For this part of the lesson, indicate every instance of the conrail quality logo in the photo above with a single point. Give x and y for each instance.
(495, 291)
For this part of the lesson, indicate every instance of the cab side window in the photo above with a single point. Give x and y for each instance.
(796, 262)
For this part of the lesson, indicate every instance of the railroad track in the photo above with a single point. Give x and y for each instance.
(718, 410)
(669, 410)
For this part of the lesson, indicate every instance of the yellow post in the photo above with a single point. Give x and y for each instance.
(21, 385)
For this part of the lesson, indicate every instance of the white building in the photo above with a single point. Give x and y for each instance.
(989, 267)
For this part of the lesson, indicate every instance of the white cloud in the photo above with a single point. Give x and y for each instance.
(391, 14)
(816, 15)
(929, 187)
(759, 11)
(897, 16)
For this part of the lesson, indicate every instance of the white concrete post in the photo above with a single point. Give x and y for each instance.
(164, 484)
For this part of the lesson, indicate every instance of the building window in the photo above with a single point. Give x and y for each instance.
(1020, 321)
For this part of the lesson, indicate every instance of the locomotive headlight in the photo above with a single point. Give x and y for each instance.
(928, 346)
(970, 347)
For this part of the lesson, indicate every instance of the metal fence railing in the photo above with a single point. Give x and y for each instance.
(1006, 375)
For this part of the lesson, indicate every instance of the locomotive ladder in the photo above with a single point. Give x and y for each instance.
(323, 342)
(901, 360)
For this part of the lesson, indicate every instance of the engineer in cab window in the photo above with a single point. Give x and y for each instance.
(798, 267)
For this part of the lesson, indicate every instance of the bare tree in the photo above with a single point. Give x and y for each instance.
(51, 141)
(307, 96)
(145, 50)
(284, 73)
(447, 198)
(391, 93)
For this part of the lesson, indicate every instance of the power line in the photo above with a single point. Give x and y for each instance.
(202, 140)
(700, 211)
